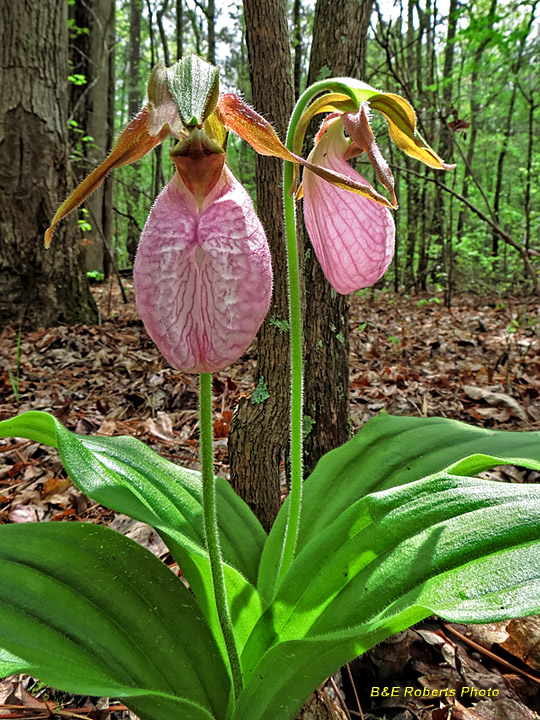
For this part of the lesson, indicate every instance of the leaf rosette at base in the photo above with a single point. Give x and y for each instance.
(393, 530)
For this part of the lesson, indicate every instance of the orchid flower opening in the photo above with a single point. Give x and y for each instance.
(202, 273)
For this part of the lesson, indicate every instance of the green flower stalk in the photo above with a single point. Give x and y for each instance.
(211, 528)
(350, 225)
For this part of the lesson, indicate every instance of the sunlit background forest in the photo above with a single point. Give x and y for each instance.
(470, 70)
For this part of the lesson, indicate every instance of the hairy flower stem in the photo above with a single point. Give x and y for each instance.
(295, 321)
(211, 530)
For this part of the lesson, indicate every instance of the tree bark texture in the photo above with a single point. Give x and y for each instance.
(338, 49)
(424, 66)
(134, 104)
(135, 15)
(179, 29)
(259, 432)
(92, 103)
(441, 227)
(414, 224)
(211, 26)
(507, 131)
(298, 47)
(41, 287)
(162, 34)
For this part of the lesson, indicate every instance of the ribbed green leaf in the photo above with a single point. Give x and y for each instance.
(289, 672)
(89, 611)
(390, 543)
(125, 475)
(463, 548)
(390, 451)
(175, 495)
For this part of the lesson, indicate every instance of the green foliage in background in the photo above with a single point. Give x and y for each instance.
(489, 94)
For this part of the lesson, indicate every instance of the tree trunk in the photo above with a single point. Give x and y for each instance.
(442, 229)
(339, 44)
(162, 34)
(424, 66)
(298, 47)
(133, 80)
(413, 189)
(410, 279)
(211, 26)
(108, 212)
(259, 432)
(475, 108)
(507, 132)
(134, 104)
(527, 206)
(92, 55)
(179, 29)
(41, 287)
(196, 28)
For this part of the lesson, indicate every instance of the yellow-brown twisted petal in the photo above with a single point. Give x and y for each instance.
(238, 116)
(134, 142)
(402, 126)
(359, 130)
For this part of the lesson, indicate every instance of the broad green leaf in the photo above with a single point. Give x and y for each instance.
(299, 667)
(464, 548)
(89, 611)
(391, 542)
(125, 475)
(175, 496)
(390, 451)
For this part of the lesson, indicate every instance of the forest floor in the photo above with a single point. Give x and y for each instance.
(478, 362)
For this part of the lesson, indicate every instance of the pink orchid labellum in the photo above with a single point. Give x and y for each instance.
(202, 273)
(353, 236)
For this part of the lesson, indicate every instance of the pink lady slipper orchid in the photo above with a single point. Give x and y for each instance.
(349, 223)
(352, 235)
(202, 273)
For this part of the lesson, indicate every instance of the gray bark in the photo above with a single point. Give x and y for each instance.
(92, 107)
(43, 287)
